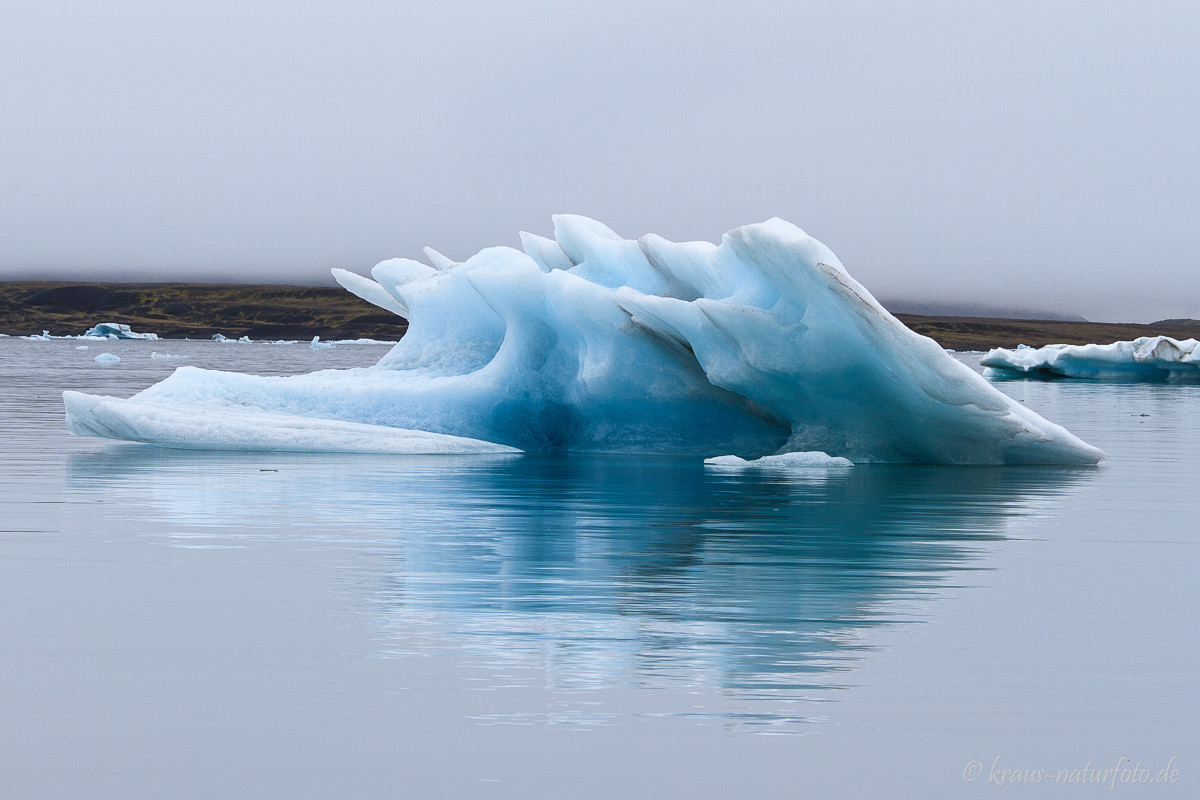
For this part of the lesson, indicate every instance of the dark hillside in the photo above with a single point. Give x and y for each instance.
(198, 310)
(195, 310)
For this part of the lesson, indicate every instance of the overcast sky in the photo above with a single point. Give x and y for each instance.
(1028, 154)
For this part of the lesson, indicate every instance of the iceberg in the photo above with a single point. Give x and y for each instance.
(107, 358)
(116, 330)
(762, 344)
(1148, 358)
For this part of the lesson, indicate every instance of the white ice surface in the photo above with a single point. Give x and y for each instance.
(1150, 358)
(785, 460)
(107, 358)
(761, 344)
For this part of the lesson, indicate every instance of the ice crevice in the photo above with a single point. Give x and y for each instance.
(588, 342)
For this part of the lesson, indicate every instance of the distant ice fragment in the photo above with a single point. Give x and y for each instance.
(804, 459)
(117, 330)
(761, 344)
(165, 356)
(317, 344)
(82, 347)
(107, 358)
(1149, 358)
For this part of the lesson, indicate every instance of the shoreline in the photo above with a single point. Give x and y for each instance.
(273, 311)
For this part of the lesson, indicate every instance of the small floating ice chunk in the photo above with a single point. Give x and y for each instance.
(107, 358)
(165, 356)
(317, 344)
(82, 347)
(811, 458)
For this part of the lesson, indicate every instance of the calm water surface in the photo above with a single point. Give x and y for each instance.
(185, 624)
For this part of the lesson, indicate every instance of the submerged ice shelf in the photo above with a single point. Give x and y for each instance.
(761, 344)
(1149, 358)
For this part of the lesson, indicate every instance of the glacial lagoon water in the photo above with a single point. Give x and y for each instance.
(191, 624)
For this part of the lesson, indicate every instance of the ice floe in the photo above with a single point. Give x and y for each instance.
(1149, 358)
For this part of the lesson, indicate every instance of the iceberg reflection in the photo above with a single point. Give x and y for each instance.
(587, 573)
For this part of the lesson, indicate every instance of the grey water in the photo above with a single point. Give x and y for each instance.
(190, 624)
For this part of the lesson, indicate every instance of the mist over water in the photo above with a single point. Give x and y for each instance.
(1029, 155)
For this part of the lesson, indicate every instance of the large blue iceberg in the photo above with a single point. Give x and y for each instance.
(588, 342)
(1149, 358)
